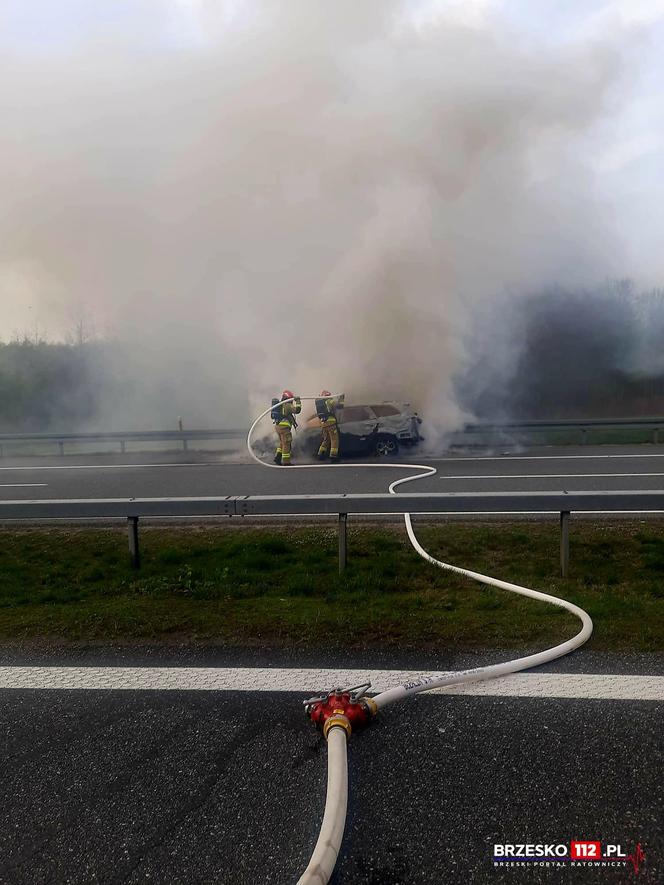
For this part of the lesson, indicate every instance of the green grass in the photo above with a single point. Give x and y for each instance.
(281, 587)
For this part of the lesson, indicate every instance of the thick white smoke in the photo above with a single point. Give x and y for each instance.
(318, 195)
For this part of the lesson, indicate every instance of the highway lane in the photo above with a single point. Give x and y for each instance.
(203, 787)
(583, 468)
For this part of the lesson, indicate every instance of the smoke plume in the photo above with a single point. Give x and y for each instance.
(309, 195)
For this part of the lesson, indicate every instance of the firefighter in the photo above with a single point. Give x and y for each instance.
(283, 415)
(326, 409)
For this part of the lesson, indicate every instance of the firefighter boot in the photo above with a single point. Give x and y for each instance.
(333, 436)
(277, 458)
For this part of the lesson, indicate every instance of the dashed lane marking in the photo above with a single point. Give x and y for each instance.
(309, 681)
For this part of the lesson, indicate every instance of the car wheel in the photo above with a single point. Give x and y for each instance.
(386, 445)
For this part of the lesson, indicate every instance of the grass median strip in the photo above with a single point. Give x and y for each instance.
(227, 584)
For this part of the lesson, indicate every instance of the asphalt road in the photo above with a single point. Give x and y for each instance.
(112, 476)
(189, 787)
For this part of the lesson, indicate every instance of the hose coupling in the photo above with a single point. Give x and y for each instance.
(337, 720)
(348, 708)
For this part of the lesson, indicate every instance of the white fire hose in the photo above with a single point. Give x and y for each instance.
(324, 857)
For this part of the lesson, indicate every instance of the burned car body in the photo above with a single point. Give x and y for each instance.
(371, 429)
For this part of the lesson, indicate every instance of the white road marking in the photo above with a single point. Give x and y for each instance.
(22, 485)
(114, 466)
(548, 475)
(543, 457)
(432, 460)
(129, 500)
(311, 681)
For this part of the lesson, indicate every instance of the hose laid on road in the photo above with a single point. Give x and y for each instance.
(322, 863)
(324, 858)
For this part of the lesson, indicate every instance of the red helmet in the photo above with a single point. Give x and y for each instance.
(288, 394)
(325, 393)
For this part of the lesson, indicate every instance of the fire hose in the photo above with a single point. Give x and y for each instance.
(340, 710)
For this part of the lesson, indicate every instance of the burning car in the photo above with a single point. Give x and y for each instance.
(374, 429)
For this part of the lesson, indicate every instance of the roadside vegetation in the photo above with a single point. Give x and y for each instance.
(256, 586)
(604, 342)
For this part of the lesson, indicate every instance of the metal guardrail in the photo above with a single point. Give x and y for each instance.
(264, 505)
(133, 509)
(491, 433)
(583, 426)
(575, 422)
(122, 437)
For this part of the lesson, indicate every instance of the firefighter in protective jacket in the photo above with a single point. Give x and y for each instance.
(283, 415)
(326, 409)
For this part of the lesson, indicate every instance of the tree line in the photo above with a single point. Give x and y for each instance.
(555, 354)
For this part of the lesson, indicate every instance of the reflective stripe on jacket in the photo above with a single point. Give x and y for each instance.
(288, 412)
(331, 405)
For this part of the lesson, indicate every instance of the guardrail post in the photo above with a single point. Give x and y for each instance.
(655, 435)
(343, 548)
(564, 543)
(184, 445)
(584, 436)
(122, 447)
(61, 446)
(134, 551)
